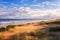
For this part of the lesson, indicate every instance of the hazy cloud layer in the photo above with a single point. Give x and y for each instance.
(33, 9)
(27, 12)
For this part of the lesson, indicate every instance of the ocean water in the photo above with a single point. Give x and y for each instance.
(10, 21)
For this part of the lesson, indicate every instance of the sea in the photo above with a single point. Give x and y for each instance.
(17, 21)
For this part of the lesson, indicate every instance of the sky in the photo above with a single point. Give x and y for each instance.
(29, 9)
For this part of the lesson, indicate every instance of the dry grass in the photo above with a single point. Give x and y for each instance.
(23, 28)
(20, 29)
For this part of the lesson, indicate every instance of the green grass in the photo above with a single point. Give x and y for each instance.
(36, 35)
(3, 29)
(57, 21)
(9, 27)
(54, 29)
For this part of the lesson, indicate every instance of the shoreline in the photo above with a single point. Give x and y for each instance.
(20, 24)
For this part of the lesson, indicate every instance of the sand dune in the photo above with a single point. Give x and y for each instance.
(24, 28)
(21, 29)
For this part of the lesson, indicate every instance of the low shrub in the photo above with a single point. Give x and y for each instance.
(22, 36)
(2, 29)
(54, 22)
(32, 34)
(42, 23)
(54, 29)
(49, 22)
(9, 27)
(37, 33)
(53, 36)
(14, 37)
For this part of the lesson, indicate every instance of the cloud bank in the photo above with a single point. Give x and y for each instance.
(25, 9)
(28, 13)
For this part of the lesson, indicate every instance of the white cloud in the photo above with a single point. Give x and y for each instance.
(38, 5)
(45, 5)
(27, 12)
(49, 3)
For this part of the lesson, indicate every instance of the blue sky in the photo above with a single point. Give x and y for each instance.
(27, 9)
(28, 3)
